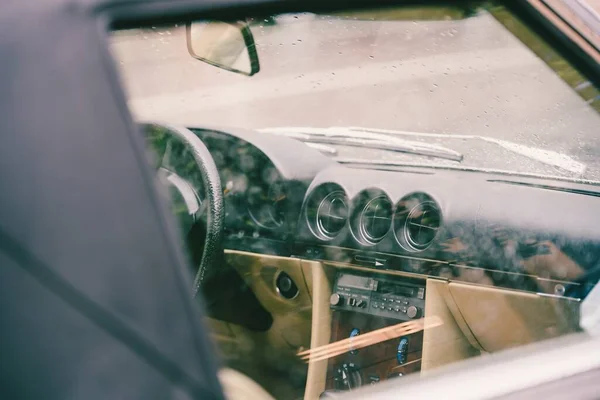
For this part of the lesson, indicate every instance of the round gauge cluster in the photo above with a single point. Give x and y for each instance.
(370, 216)
(267, 205)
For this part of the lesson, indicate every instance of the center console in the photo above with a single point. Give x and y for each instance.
(364, 304)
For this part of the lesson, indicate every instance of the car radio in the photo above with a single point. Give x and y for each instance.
(383, 297)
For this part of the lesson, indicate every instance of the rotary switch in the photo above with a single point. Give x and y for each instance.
(336, 300)
(412, 312)
(348, 377)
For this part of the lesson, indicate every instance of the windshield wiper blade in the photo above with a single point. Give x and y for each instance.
(364, 139)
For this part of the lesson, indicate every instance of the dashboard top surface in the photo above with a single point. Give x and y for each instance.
(285, 198)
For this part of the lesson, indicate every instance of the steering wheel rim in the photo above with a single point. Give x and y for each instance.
(212, 192)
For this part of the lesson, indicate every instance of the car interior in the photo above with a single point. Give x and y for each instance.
(320, 277)
(417, 260)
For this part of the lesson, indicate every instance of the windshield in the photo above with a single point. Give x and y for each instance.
(366, 195)
(469, 85)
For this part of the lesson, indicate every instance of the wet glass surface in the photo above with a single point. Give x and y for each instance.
(422, 243)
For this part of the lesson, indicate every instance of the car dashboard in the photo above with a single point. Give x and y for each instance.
(425, 223)
(372, 275)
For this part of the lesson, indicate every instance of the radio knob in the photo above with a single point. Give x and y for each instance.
(412, 312)
(336, 300)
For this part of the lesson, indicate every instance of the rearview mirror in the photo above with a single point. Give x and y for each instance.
(229, 46)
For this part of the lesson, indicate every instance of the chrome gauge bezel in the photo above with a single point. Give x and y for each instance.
(316, 200)
(366, 236)
(322, 231)
(402, 218)
(360, 207)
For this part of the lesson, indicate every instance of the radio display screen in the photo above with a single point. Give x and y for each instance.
(385, 287)
(357, 282)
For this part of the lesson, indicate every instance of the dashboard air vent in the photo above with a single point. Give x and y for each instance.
(332, 214)
(422, 225)
(376, 219)
(417, 221)
(327, 211)
(371, 216)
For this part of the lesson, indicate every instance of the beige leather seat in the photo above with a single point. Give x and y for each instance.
(238, 386)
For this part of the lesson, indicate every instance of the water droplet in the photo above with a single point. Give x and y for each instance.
(300, 40)
(371, 57)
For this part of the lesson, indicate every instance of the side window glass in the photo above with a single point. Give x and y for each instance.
(402, 188)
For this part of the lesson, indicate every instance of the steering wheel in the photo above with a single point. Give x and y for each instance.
(192, 162)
